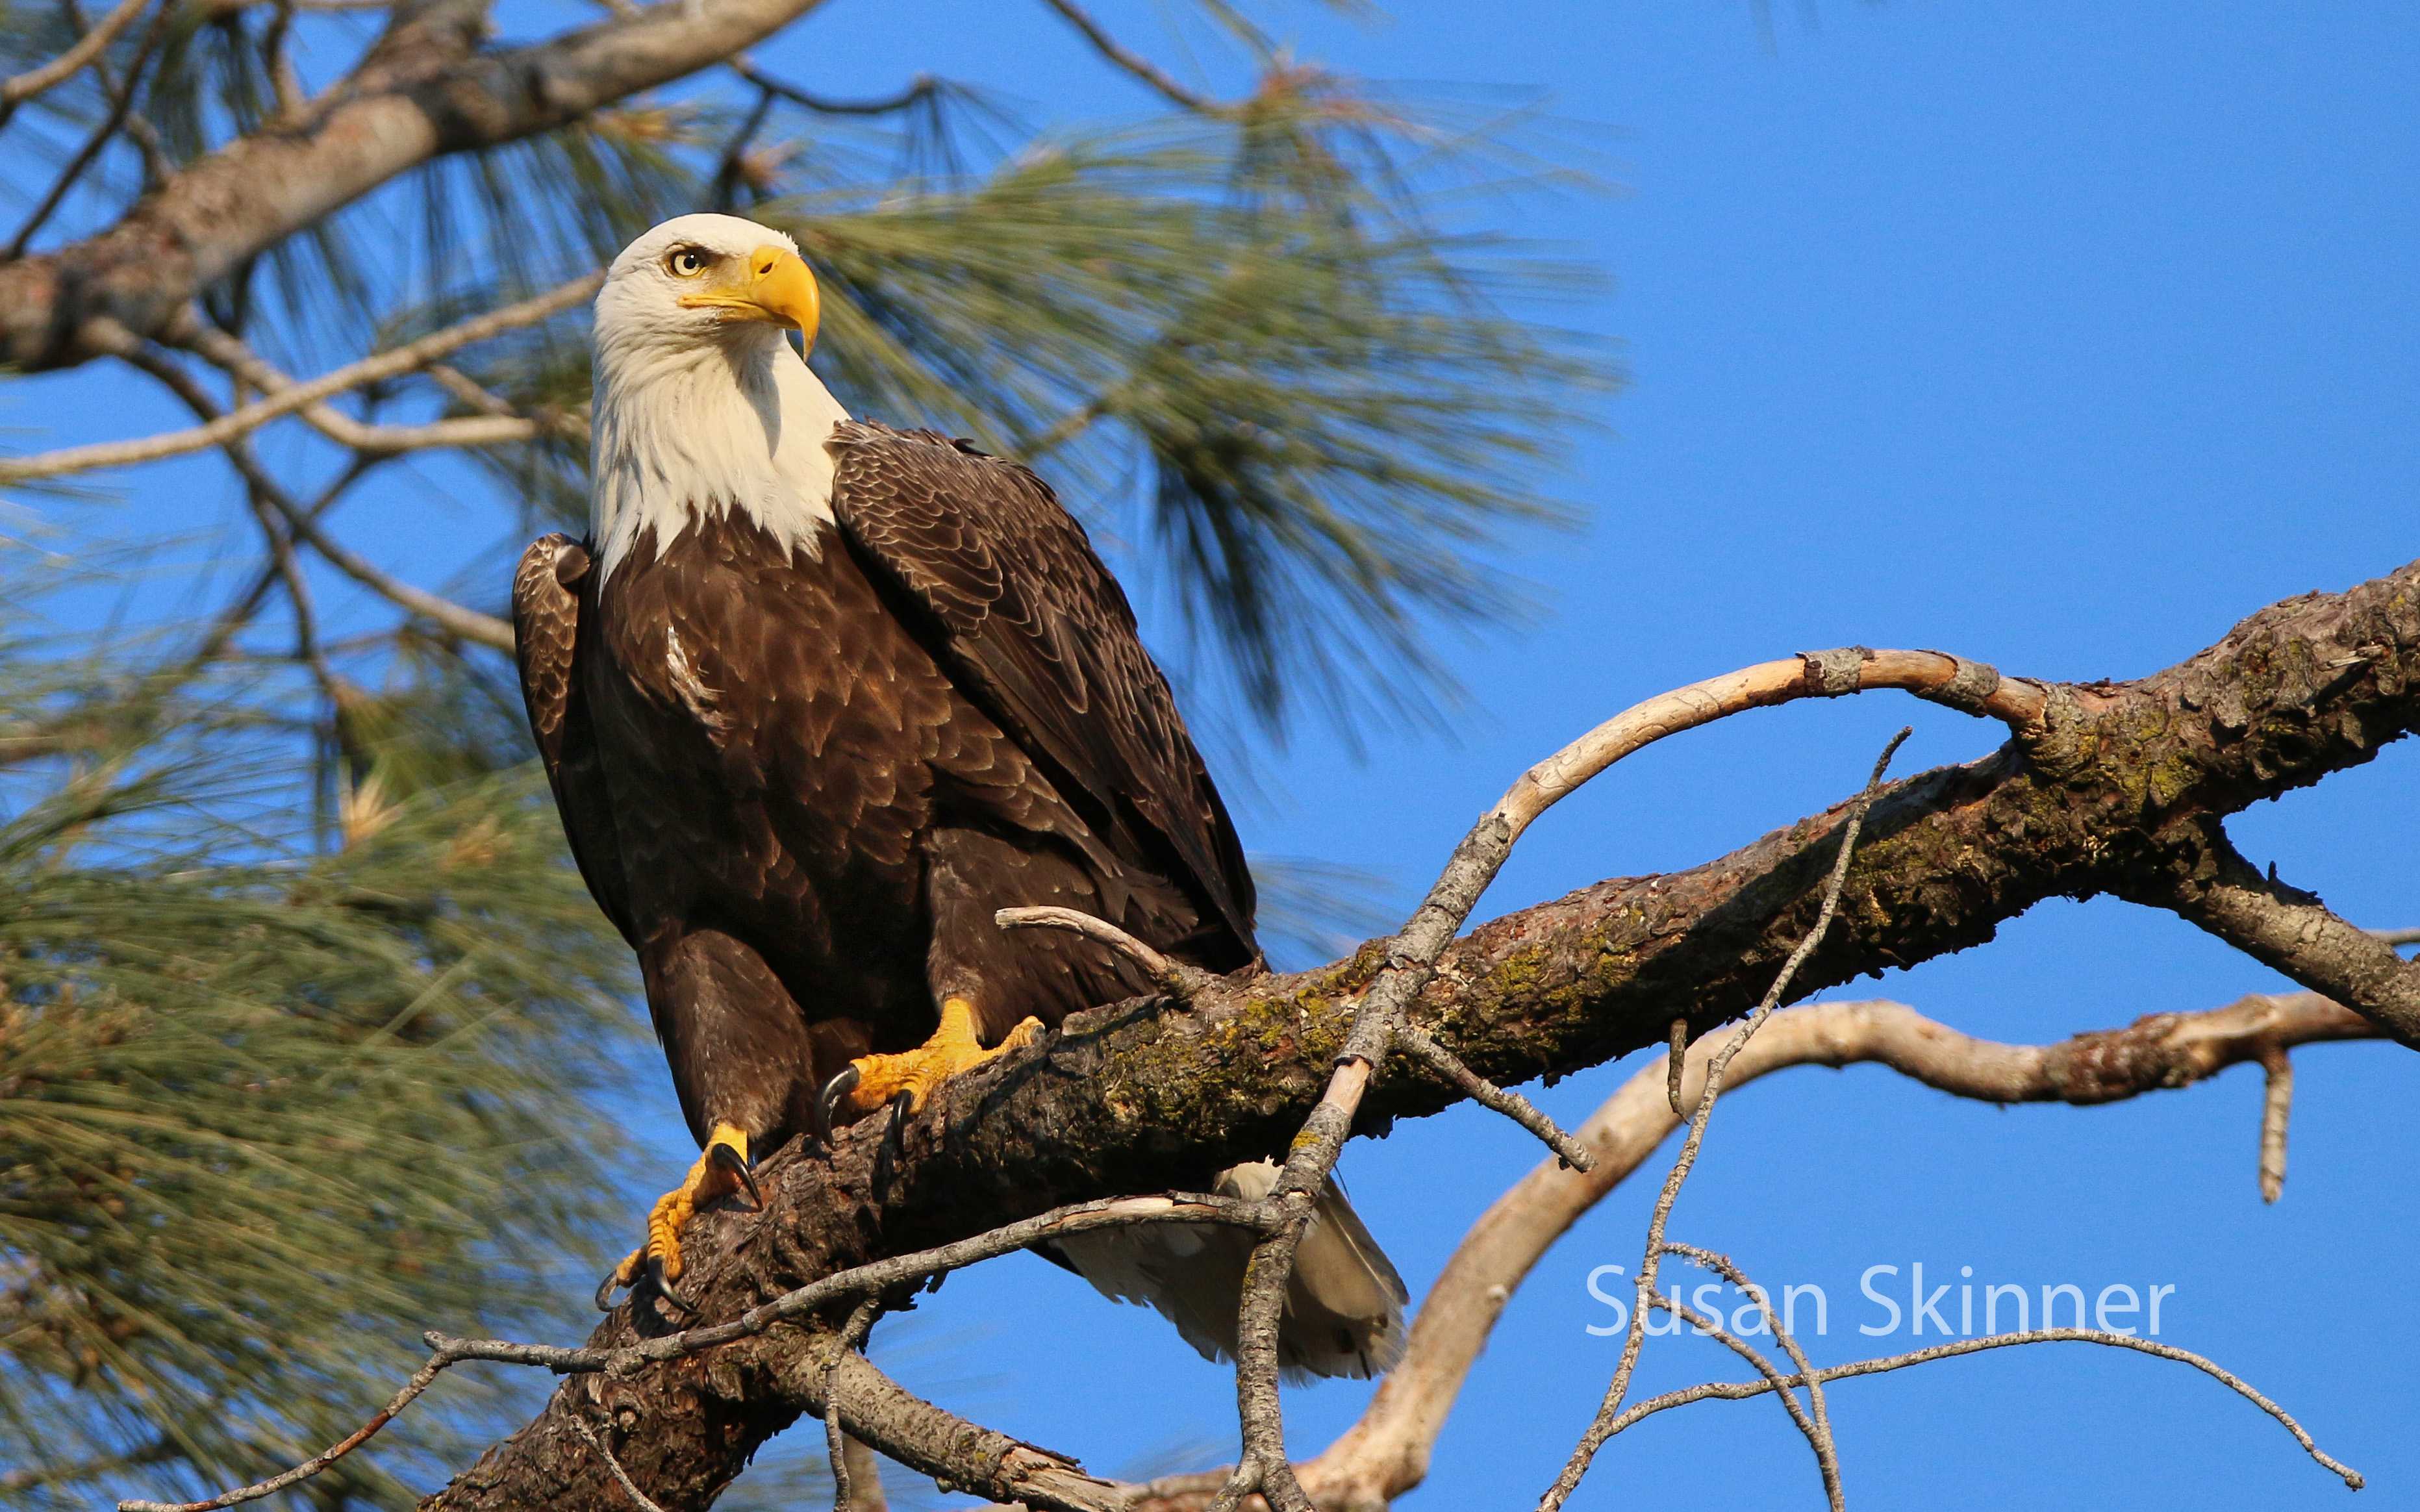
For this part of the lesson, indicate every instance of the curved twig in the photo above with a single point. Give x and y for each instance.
(16, 91)
(1737, 1390)
(1175, 975)
(392, 363)
(1634, 1342)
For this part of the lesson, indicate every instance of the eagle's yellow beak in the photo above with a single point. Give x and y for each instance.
(772, 284)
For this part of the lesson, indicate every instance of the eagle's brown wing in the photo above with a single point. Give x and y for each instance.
(547, 600)
(1037, 633)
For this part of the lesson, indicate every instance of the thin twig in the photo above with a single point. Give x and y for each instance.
(1174, 975)
(1817, 1434)
(1676, 1064)
(1143, 68)
(918, 90)
(283, 81)
(470, 624)
(1740, 1390)
(390, 364)
(835, 1440)
(230, 355)
(158, 167)
(2276, 1109)
(1600, 1429)
(16, 91)
(1513, 1105)
(122, 101)
(436, 1363)
(621, 1476)
(276, 532)
(1816, 1424)
(862, 1281)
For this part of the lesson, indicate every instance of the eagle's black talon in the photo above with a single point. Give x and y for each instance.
(607, 1287)
(652, 1274)
(894, 1124)
(730, 1160)
(828, 1104)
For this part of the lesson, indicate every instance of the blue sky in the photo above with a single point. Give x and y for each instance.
(2061, 336)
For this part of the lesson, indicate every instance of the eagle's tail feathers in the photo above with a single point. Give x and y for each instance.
(1344, 1305)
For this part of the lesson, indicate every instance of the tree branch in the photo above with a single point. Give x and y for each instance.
(470, 624)
(106, 337)
(2212, 885)
(1142, 69)
(1385, 1454)
(1128, 1098)
(1737, 1390)
(21, 87)
(1651, 1261)
(230, 355)
(425, 90)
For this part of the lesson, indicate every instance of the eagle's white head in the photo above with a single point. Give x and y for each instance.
(702, 405)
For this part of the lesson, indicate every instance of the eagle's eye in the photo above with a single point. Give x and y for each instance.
(686, 262)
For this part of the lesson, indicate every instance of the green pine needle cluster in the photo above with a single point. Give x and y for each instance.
(270, 1107)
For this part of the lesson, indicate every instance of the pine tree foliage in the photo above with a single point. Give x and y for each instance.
(310, 1038)
(270, 1100)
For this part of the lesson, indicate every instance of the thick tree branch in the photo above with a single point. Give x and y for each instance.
(1130, 1097)
(426, 89)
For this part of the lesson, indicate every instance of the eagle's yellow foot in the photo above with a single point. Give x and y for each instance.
(721, 1169)
(906, 1080)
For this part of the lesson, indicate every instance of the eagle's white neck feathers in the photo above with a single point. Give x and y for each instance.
(692, 418)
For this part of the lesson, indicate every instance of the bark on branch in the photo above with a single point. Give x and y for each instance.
(428, 89)
(2087, 800)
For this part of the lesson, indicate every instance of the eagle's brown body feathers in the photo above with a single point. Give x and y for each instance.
(801, 782)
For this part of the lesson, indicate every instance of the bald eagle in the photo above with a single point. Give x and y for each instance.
(818, 697)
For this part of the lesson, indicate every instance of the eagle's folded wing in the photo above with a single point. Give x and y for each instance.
(547, 600)
(1038, 632)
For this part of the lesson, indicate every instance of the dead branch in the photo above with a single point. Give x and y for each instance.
(1736, 1391)
(1385, 1454)
(1651, 1261)
(1127, 1099)
(1488, 1095)
(1819, 1438)
(1817, 1422)
(1175, 975)
(2276, 1107)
